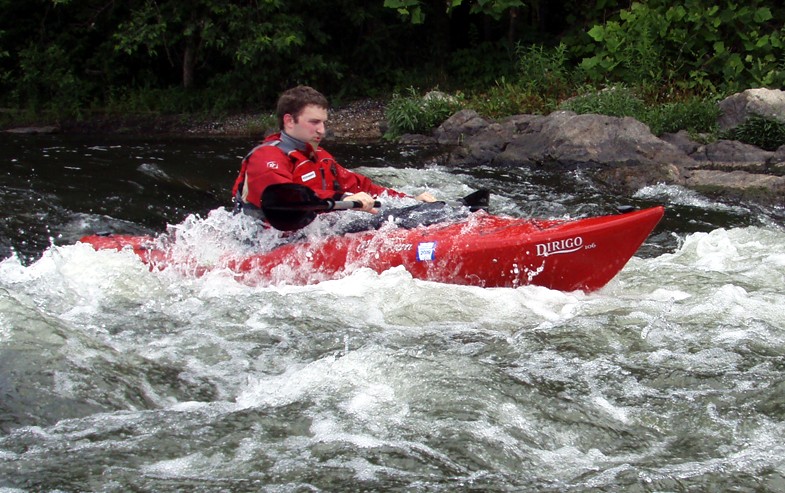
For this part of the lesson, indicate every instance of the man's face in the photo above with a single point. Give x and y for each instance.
(309, 126)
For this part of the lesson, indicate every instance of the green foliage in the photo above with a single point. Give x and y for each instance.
(491, 8)
(414, 12)
(696, 116)
(699, 44)
(628, 49)
(614, 101)
(221, 55)
(213, 56)
(48, 82)
(408, 9)
(419, 115)
(152, 100)
(541, 78)
(479, 67)
(544, 70)
(505, 98)
(208, 31)
(764, 132)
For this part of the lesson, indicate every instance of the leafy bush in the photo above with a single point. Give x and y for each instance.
(505, 99)
(613, 101)
(542, 79)
(544, 69)
(699, 44)
(695, 116)
(764, 132)
(418, 115)
(48, 82)
(479, 67)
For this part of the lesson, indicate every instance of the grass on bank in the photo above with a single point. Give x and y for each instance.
(543, 80)
(420, 114)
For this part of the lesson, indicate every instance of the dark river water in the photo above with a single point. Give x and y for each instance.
(114, 378)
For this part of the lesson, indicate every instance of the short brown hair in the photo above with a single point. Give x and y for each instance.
(292, 102)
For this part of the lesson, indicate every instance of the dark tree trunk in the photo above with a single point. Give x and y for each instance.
(189, 63)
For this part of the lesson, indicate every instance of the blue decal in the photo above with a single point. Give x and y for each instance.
(426, 251)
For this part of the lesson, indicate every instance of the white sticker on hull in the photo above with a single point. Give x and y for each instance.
(426, 251)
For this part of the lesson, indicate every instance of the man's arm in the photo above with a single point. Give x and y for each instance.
(267, 166)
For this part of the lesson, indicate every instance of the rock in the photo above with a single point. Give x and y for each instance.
(562, 137)
(776, 164)
(739, 184)
(682, 140)
(49, 129)
(459, 126)
(622, 153)
(632, 178)
(486, 145)
(572, 139)
(416, 140)
(735, 109)
(732, 155)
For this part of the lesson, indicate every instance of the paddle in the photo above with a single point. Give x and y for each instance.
(289, 206)
(475, 201)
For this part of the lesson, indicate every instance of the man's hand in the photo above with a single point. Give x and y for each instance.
(366, 200)
(426, 197)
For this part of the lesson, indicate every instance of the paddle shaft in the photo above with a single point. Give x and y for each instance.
(339, 205)
(325, 205)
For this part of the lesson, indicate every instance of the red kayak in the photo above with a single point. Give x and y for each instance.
(483, 250)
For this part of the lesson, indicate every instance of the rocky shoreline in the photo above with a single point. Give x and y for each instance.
(359, 120)
(621, 153)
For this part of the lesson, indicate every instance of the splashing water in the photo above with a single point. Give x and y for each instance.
(116, 378)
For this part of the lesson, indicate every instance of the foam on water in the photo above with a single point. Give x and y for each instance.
(675, 194)
(389, 380)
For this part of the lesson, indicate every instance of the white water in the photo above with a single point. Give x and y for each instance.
(114, 378)
(669, 379)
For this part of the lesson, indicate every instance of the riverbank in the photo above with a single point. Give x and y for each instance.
(360, 120)
(620, 152)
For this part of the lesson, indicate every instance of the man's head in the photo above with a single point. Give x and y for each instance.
(302, 113)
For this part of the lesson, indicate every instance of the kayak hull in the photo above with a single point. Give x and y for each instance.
(486, 250)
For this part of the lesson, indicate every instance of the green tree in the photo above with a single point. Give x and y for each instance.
(415, 9)
(701, 44)
(189, 34)
(224, 55)
(233, 53)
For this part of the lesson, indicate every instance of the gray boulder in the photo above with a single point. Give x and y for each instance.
(732, 155)
(561, 137)
(623, 153)
(735, 109)
(738, 184)
(776, 165)
(570, 139)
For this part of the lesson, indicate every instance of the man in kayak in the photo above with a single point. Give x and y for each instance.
(293, 155)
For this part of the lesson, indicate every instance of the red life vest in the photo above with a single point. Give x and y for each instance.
(276, 161)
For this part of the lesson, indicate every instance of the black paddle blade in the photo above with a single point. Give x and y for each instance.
(289, 206)
(479, 200)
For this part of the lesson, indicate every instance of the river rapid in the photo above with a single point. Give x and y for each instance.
(114, 378)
